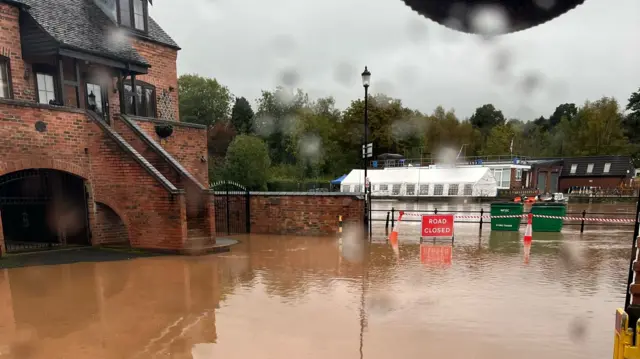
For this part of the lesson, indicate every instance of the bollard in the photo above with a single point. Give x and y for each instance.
(393, 221)
(481, 213)
(339, 224)
(435, 211)
(386, 225)
(584, 214)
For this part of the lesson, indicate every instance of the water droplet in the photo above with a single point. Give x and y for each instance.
(289, 77)
(310, 148)
(545, 4)
(283, 45)
(489, 20)
(353, 240)
(530, 82)
(417, 30)
(264, 125)
(578, 329)
(345, 74)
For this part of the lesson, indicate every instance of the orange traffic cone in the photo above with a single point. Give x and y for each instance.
(528, 232)
(393, 236)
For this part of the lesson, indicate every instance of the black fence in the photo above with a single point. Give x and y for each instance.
(582, 218)
(233, 208)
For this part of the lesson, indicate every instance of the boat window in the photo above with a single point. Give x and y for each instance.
(453, 190)
(424, 189)
(438, 190)
(384, 187)
(468, 190)
(411, 190)
(395, 190)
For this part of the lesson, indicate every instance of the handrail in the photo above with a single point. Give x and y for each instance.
(136, 156)
(161, 151)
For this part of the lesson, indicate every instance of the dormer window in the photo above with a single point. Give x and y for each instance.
(133, 14)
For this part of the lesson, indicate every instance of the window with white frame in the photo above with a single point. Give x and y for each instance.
(453, 190)
(468, 190)
(5, 78)
(519, 173)
(424, 189)
(357, 188)
(574, 168)
(384, 187)
(607, 167)
(46, 88)
(590, 168)
(395, 190)
(438, 190)
(410, 190)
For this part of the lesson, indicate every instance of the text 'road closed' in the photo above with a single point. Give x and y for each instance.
(440, 225)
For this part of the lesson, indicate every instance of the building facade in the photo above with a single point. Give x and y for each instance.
(92, 149)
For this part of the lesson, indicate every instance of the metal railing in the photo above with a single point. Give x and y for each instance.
(429, 160)
(393, 214)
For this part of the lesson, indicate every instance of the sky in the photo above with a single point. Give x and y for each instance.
(323, 47)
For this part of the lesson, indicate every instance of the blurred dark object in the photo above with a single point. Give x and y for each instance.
(523, 14)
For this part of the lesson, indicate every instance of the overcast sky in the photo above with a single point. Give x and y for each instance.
(249, 45)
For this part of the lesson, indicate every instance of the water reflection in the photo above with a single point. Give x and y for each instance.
(299, 297)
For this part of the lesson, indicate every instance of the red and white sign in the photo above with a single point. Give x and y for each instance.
(437, 225)
(430, 254)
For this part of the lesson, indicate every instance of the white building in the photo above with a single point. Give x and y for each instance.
(415, 181)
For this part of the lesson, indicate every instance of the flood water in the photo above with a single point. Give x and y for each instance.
(288, 297)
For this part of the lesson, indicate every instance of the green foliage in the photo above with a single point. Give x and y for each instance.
(202, 100)
(292, 139)
(247, 162)
(242, 116)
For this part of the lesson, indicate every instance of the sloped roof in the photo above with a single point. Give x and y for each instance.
(419, 175)
(619, 166)
(82, 25)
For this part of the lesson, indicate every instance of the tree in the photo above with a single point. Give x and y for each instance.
(631, 125)
(499, 140)
(598, 129)
(566, 110)
(202, 100)
(242, 116)
(247, 162)
(486, 117)
(276, 121)
(219, 137)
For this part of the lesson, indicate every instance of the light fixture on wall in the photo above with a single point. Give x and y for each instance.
(27, 73)
(92, 101)
(171, 88)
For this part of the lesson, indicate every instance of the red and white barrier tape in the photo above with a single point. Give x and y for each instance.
(524, 216)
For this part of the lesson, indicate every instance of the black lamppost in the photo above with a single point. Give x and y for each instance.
(366, 79)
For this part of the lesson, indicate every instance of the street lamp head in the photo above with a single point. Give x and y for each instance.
(366, 77)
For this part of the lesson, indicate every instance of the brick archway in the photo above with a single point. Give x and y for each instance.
(110, 223)
(37, 163)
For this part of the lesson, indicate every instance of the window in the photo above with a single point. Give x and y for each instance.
(146, 99)
(395, 190)
(424, 189)
(97, 92)
(438, 190)
(5, 78)
(574, 168)
(344, 188)
(453, 190)
(384, 187)
(133, 13)
(468, 190)
(411, 190)
(590, 168)
(357, 188)
(607, 167)
(519, 174)
(46, 88)
(506, 181)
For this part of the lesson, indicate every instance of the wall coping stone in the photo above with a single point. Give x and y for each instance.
(167, 122)
(310, 194)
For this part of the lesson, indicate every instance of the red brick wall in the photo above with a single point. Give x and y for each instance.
(2, 249)
(187, 145)
(154, 218)
(10, 47)
(302, 214)
(163, 74)
(109, 226)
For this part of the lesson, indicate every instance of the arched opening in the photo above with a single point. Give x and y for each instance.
(110, 229)
(43, 208)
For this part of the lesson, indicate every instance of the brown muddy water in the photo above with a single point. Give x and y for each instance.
(288, 297)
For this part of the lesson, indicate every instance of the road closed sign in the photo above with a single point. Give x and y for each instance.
(437, 225)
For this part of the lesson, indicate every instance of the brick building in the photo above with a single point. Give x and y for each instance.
(87, 89)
